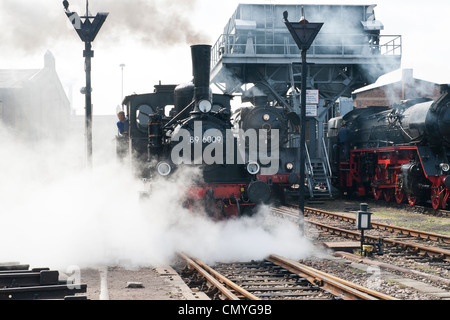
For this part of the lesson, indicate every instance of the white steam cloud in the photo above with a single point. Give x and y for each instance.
(57, 213)
(40, 24)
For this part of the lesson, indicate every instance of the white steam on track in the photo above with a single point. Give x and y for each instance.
(55, 212)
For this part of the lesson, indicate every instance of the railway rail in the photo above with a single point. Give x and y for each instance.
(435, 251)
(276, 278)
(18, 282)
(386, 227)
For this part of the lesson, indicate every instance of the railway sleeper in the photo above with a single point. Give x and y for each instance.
(41, 292)
(287, 294)
(263, 282)
(28, 279)
(13, 266)
(270, 288)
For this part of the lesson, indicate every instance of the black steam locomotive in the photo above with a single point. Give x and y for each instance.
(199, 132)
(277, 153)
(401, 153)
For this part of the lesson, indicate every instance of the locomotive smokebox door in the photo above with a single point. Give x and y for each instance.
(259, 192)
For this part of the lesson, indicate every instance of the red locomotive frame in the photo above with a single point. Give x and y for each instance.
(385, 182)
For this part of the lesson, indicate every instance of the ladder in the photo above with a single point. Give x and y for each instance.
(318, 175)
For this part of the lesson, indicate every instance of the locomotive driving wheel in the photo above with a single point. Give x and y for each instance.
(400, 196)
(377, 180)
(388, 193)
(437, 194)
(412, 199)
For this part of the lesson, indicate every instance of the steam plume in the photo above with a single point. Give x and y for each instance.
(56, 213)
(32, 27)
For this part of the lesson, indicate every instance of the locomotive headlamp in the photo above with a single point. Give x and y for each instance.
(445, 167)
(253, 167)
(205, 106)
(164, 169)
(289, 166)
(266, 117)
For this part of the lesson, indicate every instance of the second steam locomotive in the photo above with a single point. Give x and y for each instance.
(401, 153)
(243, 160)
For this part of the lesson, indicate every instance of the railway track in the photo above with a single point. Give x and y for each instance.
(386, 227)
(276, 278)
(19, 282)
(414, 241)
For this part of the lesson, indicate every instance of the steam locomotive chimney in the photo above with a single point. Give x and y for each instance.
(201, 68)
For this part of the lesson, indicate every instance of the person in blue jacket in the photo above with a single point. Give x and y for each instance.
(122, 124)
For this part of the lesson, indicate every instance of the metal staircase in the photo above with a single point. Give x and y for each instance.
(318, 175)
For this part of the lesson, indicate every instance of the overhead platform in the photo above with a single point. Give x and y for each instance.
(349, 53)
(256, 55)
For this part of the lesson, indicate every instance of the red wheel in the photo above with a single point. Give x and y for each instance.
(436, 198)
(399, 197)
(377, 180)
(411, 199)
(388, 193)
(377, 193)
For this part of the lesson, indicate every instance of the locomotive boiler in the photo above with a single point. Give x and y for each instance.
(400, 153)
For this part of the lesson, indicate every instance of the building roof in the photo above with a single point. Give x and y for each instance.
(15, 78)
(386, 79)
(390, 78)
(10, 78)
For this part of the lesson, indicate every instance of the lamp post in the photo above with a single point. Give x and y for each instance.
(87, 28)
(304, 34)
(122, 66)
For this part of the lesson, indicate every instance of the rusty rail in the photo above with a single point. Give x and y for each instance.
(228, 282)
(381, 226)
(341, 289)
(338, 287)
(436, 252)
(230, 295)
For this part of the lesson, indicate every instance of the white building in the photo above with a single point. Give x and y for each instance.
(33, 102)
